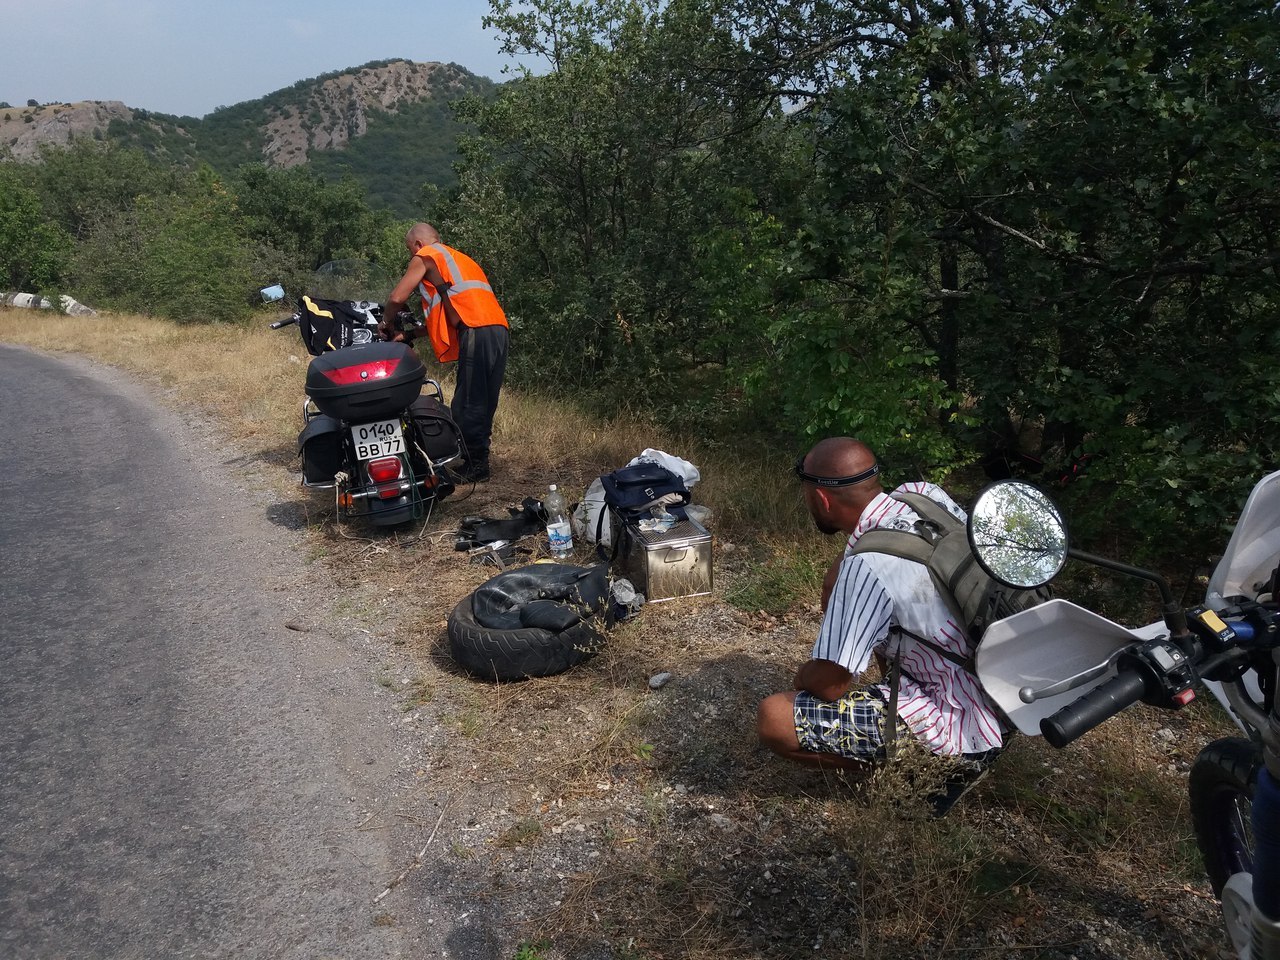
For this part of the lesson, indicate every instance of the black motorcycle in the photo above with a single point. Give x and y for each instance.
(369, 433)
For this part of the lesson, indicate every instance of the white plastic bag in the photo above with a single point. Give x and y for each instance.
(683, 469)
(587, 515)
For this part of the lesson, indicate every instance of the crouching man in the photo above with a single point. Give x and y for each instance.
(884, 605)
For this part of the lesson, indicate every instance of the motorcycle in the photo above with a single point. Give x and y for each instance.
(1229, 644)
(369, 431)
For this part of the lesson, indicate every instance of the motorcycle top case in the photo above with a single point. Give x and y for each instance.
(365, 381)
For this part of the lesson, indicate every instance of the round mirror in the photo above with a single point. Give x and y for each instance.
(1017, 534)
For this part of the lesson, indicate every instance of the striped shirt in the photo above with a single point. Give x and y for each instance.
(939, 700)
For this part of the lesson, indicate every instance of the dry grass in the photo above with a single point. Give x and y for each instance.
(650, 820)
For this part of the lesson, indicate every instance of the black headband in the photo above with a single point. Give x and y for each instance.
(835, 481)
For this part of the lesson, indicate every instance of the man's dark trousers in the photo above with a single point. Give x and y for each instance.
(482, 361)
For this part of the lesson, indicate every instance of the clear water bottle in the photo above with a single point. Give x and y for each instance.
(559, 532)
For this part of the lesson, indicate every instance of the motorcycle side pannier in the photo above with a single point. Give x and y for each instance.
(365, 381)
(434, 427)
(320, 446)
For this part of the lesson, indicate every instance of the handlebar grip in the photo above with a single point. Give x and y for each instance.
(284, 323)
(1098, 705)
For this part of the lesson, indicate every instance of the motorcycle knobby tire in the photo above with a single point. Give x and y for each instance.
(517, 654)
(1221, 786)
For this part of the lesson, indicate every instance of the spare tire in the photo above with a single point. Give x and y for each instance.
(505, 651)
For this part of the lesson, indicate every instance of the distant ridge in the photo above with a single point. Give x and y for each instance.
(402, 107)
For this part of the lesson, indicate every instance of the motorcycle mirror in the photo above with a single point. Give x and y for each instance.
(272, 293)
(1017, 534)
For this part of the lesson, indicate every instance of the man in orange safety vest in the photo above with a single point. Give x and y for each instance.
(466, 324)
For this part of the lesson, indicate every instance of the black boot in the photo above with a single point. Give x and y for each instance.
(474, 471)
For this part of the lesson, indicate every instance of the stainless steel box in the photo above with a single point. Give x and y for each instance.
(667, 565)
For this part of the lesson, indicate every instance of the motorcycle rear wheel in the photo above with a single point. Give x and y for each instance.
(1221, 787)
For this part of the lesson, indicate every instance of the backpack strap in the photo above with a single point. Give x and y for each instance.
(608, 556)
(957, 556)
(890, 735)
(912, 546)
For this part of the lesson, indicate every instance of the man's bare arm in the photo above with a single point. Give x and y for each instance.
(400, 295)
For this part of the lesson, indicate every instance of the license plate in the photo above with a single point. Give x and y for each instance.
(381, 439)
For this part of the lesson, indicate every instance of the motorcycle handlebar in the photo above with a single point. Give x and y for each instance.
(284, 323)
(1098, 705)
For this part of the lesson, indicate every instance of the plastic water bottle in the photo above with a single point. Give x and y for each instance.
(559, 532)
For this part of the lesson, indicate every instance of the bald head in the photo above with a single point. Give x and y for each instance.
(420, 235)
(839, 508)
(840, 457)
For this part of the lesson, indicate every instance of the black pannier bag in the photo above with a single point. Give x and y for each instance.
(320, 445)
(434, 429)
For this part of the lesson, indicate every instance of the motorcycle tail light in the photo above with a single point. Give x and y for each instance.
(384, 470)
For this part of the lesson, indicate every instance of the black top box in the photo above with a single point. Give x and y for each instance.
(365, 381)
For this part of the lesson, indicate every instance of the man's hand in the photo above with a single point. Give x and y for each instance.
(825, 679)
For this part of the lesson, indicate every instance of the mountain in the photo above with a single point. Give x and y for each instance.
(389, 124)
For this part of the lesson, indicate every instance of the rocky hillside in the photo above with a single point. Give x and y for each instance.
(374, 122)
(335, 110)
(24, 130)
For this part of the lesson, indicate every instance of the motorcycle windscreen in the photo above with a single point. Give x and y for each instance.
(1254, 548)
(1042, 646)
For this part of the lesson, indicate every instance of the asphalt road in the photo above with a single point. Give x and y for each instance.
(181, 774)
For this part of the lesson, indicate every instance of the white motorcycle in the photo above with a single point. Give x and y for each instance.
(1229, 644)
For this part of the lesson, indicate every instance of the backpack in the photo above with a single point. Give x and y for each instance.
(941, 542)
(630, 493)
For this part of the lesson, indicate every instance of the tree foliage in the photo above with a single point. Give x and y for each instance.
(32, 250)
(176, 254)
(960, 230)
(964, 231)
(616, 205)
(121, 231)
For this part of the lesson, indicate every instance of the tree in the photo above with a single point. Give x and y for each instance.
(616, 206)
(297, 212)
(1036, 216)
(32, 250)
(177, 255)
(968, 229)
(87, 180)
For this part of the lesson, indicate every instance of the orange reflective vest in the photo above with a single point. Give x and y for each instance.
(469, 292)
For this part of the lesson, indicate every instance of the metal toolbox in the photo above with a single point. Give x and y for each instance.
(664, 566)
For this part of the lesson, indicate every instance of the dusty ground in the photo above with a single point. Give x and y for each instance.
(620, 821)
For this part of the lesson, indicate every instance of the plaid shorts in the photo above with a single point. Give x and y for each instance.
(852, 726)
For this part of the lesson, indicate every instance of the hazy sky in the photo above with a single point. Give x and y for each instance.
(187, 57)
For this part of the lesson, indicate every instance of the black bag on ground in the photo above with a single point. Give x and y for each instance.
(534, 621)
(629, 495)
(553, 596)
(527, 519)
